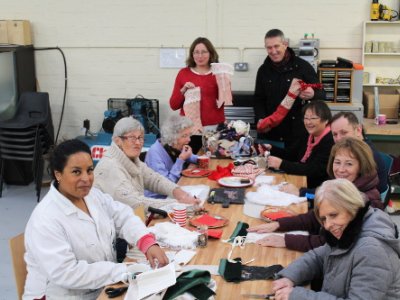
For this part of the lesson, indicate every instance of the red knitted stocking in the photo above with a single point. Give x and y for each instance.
(283, 108)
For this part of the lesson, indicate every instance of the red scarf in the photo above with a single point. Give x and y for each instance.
(311, 144)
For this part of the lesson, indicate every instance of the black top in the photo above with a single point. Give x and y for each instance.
(315, 166)
(272, 85)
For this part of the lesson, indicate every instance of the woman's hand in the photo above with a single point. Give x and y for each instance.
(262, 148)
(263, 228)
(156, 257)
(274, 240)
(186, 86)
(186, 152)
(184, 197)
(274, 162)
(290, 189)
(282, 288)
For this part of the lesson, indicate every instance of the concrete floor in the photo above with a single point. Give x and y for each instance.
(16, 206)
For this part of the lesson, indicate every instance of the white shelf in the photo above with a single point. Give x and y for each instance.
(382, 22)
(382, 64)
(380, 84)
(382, 54)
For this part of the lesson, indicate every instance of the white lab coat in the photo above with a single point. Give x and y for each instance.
(71, 255)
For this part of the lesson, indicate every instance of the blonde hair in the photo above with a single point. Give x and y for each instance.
(341, 194)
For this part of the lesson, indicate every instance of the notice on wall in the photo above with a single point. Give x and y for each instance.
(172, 58)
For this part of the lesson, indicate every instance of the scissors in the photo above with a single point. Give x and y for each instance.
(260, 296)
(113, 292)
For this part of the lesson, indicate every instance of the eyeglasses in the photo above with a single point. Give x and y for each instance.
(185, 136)
(132, 138)
(311, 119)
(198, 53)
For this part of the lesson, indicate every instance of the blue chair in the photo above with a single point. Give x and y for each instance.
(388, 160)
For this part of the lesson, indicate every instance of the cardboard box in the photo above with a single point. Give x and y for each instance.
(388, 104)
(3, 32)
(19, 32)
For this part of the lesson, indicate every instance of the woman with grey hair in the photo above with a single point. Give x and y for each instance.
(170, 154)
(361, 257)
(121, 174)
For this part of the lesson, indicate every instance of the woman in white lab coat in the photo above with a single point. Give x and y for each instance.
(70, 236)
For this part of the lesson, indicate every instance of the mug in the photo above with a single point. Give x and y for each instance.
(380, 119)
(203, 161)
(180, 215)
(372, 78)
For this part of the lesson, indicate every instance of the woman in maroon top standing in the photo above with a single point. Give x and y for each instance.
(204, 113)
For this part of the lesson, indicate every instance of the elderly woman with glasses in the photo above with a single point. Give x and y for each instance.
(170, 154)
(360, 259)
(197, 74)
(307, 157)
(121, 174)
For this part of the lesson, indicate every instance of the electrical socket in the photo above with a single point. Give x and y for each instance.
(241, 67)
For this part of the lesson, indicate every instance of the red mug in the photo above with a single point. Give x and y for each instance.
(203, 162)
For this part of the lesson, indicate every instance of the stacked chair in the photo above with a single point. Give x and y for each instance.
(27, 137)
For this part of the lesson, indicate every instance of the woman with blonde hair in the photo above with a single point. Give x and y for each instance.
(361, 257)
(351, 159)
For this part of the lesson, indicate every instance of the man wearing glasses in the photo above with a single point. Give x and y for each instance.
(273, 80)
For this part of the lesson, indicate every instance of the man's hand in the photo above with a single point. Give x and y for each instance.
(307, 94)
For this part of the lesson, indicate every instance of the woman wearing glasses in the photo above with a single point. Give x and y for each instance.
(307, 157)
(121, 174)
(350, 159)
(197, 74)
(170, 154)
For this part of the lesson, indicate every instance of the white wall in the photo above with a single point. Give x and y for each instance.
(112, 47)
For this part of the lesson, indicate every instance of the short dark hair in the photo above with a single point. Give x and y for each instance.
(348, 115)
(213, 53)
(320, 108)
(275, 33)
(63, 151)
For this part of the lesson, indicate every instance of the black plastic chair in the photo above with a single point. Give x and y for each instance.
(27, 136)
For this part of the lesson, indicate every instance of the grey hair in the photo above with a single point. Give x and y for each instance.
(126, 125)
(172, 127)
(275, 33)
(341, 194)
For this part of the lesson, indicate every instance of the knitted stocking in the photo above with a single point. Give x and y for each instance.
(277, 117)
(191, 107)
(224, 89)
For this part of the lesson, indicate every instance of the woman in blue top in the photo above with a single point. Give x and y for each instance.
(170, 154)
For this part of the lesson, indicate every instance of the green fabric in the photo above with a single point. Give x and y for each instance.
(240, 230)
(231, 272)
(194, 282)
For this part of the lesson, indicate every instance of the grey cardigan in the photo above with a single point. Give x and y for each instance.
(125, 179)
(368, 268)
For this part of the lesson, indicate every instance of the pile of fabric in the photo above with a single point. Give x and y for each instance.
(231, 140)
